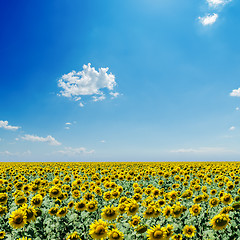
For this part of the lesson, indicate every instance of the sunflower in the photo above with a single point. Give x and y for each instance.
(37, 200)
(2, 234)
(62, 212)
(135, 221)
(109, 213)
(20, 200)
(156, 233)
(122, 208)
(189, 231)
(213, 202)
(213, 192)
(115, 234)
(3, 210)
(195, 209)
(169, 231)
(18, 219)
(198, 199)
(31, 214)
(98, 229)
(132, 208)
(92, 206)
(167, 211)
(177, 237)
(149, 212)
(53, 211)
(3, 198)
(107, 196)
(54, 192)
(226, 199)
(176, 210)
(141, 229)
(73, 236)
(24, 238)
(220, 221)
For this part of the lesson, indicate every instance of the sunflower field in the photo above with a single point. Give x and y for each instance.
(116, 201)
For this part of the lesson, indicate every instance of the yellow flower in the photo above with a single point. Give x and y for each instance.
(92, 206)
(55, 192)
(189, 231)
(109, 213)
(213, 202)
(18, 219)
(195, 209)
(115, 234)
(227, 198)
(98, 229)
(132, 208)
(73, 236)
(135, 221)
(156, 233)
(2, 234)
(24, 238)
(53, 211)
(62, 212)
(177, 237)
(37, 200)
(167, 211)
(3, 210)
(3, 198)
(80, 206)
(220, 221)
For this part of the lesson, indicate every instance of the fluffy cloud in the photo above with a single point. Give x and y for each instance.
(237, 108)
(200, 150)
(232, 128)
(88, 82)
(235, 93)
(49, 139)
(5, 125)
(217, 3)
(74, 151)
(209, 19)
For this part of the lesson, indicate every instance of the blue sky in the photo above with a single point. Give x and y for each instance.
(154, 80)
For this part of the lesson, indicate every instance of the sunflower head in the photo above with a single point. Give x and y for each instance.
(18, 219)
(115, 234)
(220, 221)
(189, 231)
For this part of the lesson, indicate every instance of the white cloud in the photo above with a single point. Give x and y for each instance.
(217, 3)
(49, 139)
(200, 150)
(235, 93)
(10, 154)
(68, 123)
(209, 19)
(88, 82)
(102, 141)
(81, 104)
(74, 151)
(114, 94)
(5, 125)
(237, 108)
(67, 128)
(232, 128)
(98, 98)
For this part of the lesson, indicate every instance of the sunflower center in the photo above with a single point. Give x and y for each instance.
(132, 209)
(18, 219)
(221, 222)
(115, 235)
(99, 230)
(157, 234)
(110, 212)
